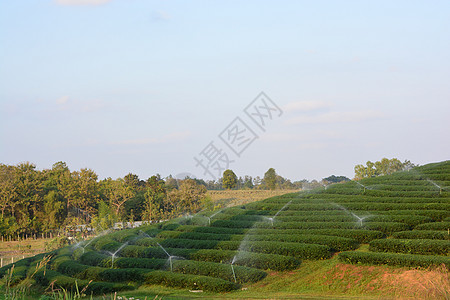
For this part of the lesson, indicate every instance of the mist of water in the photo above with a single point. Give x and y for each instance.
(359, 219)
(114, 254)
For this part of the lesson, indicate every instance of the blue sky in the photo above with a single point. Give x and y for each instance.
(144, 86)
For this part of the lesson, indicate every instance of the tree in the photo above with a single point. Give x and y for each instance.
(383, 167)
(117, 192)
(7, 188)
(335, 179)
(132, 180)
(54, 210)
(229, 179)
(248, 182)
(270, 179)
(187, 198)
(155, 197)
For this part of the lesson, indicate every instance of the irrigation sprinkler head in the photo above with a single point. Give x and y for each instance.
(234, 274)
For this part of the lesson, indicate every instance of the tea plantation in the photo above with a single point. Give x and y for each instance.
(404, 218)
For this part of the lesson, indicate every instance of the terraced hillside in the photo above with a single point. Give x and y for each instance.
(404, 217)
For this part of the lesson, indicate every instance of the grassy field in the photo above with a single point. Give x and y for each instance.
(382, 237)
(328, 279)
(240, 197)
(19, 249)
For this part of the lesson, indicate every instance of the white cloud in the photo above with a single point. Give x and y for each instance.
(82, 2)
(338, 117)
(62, 100)
(306, 106)
(172, 137)
(69, 105)
(160, 15)
(301, 136)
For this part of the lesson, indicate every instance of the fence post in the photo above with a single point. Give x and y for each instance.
(12, 259)
(1, 262)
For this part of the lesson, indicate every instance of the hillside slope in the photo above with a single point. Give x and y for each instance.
(404, 217)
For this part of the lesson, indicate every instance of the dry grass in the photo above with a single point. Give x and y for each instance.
(21, 249)
(240, 197)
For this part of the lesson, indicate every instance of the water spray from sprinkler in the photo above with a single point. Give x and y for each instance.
(113, 255)
(436, 185)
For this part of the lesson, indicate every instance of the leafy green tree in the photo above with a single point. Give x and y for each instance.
(335, 179)
(270, 179)
(132, 180)
(155, 198)
(7, 188)
(188, 198)
(54, 211)
(383, 167)
(117, 194)
(248, 182)
(229, 179)
(105, 218)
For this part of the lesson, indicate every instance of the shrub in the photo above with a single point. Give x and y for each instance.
(415, 246)
(386, 227)
(216, 229)
(223, 271)
(334, 242)
(44, 278)
(360, 235)
(433, 226)
(394, 259)
(422, 234)
(190, 281)
(249, 259)
(306, 251)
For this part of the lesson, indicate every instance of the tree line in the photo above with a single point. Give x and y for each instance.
(36, 201)
(383, 167)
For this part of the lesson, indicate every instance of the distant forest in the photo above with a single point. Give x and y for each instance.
(35, 202)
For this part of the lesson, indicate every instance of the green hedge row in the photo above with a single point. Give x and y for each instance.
(422, 234)
(199, 236)
(254, 260)
(437, 215)
(394, 259)
(434, 226)
(249, 259)
(217, 270)
(413, 246)
(218, 230)
(300, 250)
(360, 235)
(335, 243)
(407, 219)
(21, 263)
(386, 227)
(355, 206)
(96, 273)
(342, 199)
(153, 277)
(133, 269)
(206, 283)
(44, 278)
